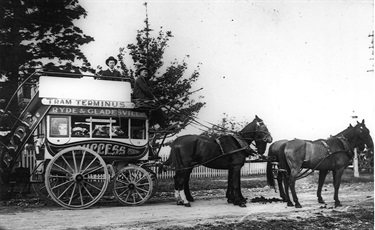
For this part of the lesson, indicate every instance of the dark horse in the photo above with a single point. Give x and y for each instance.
(226, 152)
(333, 154)
(273, 152)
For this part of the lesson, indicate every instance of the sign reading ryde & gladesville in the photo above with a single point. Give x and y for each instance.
(62, 110)
(88, 103)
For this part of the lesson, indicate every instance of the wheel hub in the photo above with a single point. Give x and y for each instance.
(131, 186)
(78, 178)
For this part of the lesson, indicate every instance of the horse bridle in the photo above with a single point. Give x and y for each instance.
(264, 138)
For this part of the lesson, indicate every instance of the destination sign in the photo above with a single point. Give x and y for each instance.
(88, 103)
(96, 112)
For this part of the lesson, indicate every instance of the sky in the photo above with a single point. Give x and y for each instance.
(301, 66)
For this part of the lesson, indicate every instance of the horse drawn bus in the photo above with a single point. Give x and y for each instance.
(75, 135)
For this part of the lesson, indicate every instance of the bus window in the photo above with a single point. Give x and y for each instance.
(59, 126)
(138, 129)
(120, 128)
(101, 127)
(80, 127)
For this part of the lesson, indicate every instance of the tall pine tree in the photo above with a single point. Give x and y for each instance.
(172, 87)
(32, 32)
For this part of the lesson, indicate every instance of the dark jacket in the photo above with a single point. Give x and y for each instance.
(141, 89)
(108, 73)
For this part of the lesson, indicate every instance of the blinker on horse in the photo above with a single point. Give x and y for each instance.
(333, 154)
(227, 152)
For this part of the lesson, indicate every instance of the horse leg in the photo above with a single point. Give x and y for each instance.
(337, 174)
(236, 186)
(229, 194)
(280, 185)
(286, 186)
(292, 182)
(176, 191)
(179, 189)
(189, 197)
(322, 177)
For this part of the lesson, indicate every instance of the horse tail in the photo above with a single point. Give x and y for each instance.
(270, 178)
(282, 158)
(165, 165)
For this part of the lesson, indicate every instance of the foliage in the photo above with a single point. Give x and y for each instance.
(171, 86)
(227, 125)
(32, 32)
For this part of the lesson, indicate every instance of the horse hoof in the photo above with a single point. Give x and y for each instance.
(298, 206)
(180, 202)
(242, 205)
(230, 201)
(187, 205)
(290, 204)
(338, 205)
(321, 201)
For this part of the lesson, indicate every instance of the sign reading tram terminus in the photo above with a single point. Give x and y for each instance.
(87, 103)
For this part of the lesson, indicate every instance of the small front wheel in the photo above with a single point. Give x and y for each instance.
(133, 185)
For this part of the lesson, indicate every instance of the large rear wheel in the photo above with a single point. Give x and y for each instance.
(133, 185)
(76, 178)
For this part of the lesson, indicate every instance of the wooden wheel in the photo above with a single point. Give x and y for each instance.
(76, 178)
(154, 178)
(132, 185)
(41, 190)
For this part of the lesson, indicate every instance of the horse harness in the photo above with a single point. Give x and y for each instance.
(241, 142)
(347, 150)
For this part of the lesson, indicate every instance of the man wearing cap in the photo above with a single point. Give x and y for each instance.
(142, 91)
(111, 62)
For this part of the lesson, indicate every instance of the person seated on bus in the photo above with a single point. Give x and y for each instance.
(111, 62)
(142, 91)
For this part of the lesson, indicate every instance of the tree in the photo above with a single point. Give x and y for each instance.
(227, 125)
(34, 31)
(171, 87)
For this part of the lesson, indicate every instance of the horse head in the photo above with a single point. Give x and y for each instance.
(257, 131)
(359, 137)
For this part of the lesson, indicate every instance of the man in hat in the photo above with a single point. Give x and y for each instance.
(111, 62)
(142, 91)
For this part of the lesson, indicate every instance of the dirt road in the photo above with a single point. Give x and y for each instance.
(160, 214)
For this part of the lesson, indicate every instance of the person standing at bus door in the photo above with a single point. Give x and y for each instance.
(142, 91)
(111, 62)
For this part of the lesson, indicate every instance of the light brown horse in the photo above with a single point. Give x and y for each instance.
(333, 154)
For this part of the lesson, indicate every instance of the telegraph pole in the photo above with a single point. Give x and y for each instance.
(355, 158)
(372, 52)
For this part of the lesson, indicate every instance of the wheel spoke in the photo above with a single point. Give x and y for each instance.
(62, 184)
(66, 162)
(99, 189)
(140, 195)
(80, 193)
(72, 196)
(65, 191)
(126, 190)
(144, 175)
(88, 192)
(143, 190)
(74, 161)
(93, 160)
(82, 160)
(92, 170)
(54, 163)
